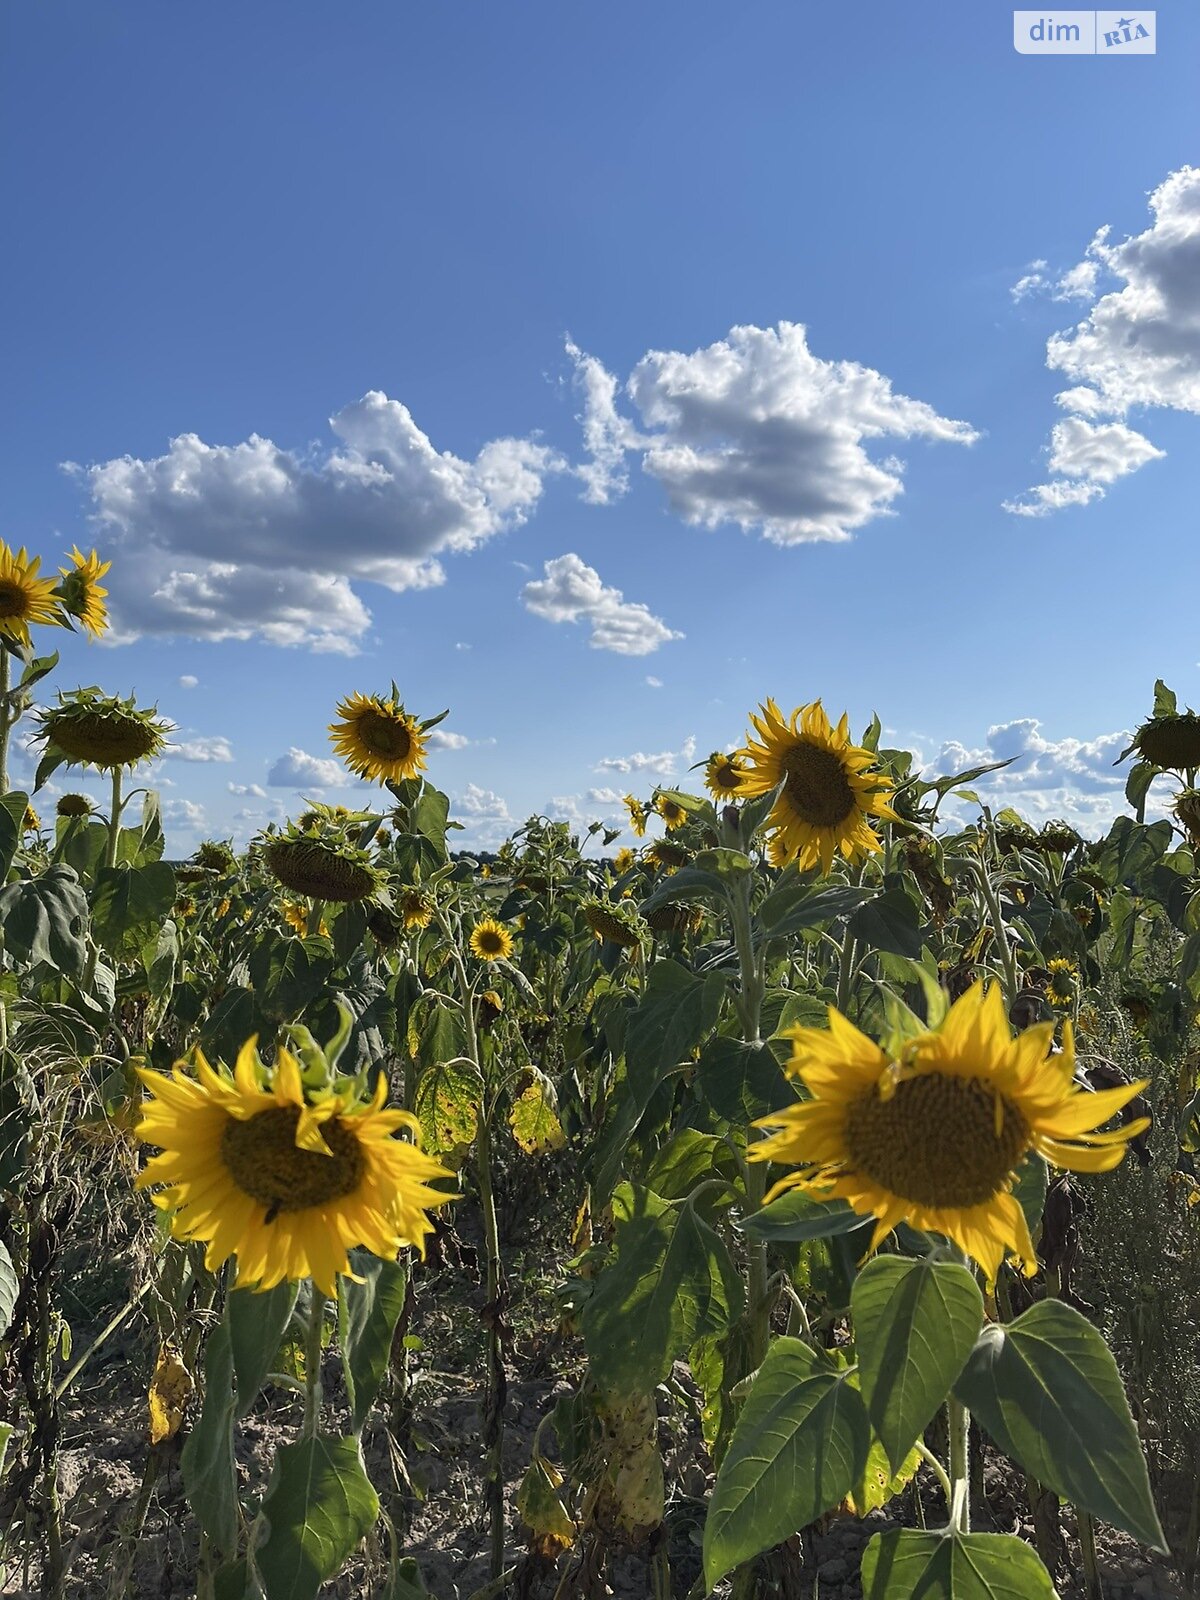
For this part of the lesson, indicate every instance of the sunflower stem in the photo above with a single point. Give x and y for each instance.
(753, 987)
(992, 901)
(959, 1421)
(313, 1393)
(114, 824)
(6, 720)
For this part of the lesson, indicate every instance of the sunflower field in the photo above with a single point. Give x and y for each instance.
(800, 1201)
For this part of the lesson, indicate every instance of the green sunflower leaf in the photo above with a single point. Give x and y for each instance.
(367, 1317)
(319, 1505)
(799, 1447)
(1048, 1391)
(909, 1565)
(915, 1324)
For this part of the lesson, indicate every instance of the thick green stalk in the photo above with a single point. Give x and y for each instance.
(1008, 960)
(6, 721)
(114, 821)
(959, 1419)
(750, 999)
(313, 1394)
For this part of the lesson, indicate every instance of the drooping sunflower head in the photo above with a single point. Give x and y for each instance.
(614, 921)
(676, 918)
(491, 941)
(667, 854)
(321, 862)
(1063, 982)
(829, 793)
(723, 775)
(74, 805)
(24, 597)
(80, 591)
(1057, 838)
(91, 729)
(639, 814)
(216, 855)
(1187, 813)
(1170, 740)
(285, 1179)
(385, 927)
(934, 1136)
(489, 1009)
(378, 739)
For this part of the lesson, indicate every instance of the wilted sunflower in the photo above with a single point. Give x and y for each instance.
(934, 1138)
(1058, 838)
(828, 795)
(74, 805)
(1171, 740)
(321, 863)
(618, 924)
(672, 813)
(1187, 813)
(723, 775)
(80, 591)
(676, 918)
(91, 729)
(639, 812)
(1061, 984)
(378, 739)
(491, 941)
(667, 854)
(24, 597)
(255, 1169)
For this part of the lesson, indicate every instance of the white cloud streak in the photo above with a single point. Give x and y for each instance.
(571, 591)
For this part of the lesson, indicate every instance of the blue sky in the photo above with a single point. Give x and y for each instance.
(232, 223)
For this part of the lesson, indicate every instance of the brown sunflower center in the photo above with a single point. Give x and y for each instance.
(489, 941)
(14, 602)
(727, 776)
(817, 786)
(385, 735)
(935, 1142)
(265, 1163)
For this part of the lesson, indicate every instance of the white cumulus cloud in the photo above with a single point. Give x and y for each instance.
(663, 764)
(252, 540)
(254, 789)
(483, 805)
(571, 591)
(757, 431)
(442, 739)
(1138, 346)
(215, 748)
(188, 681)
(298, 770)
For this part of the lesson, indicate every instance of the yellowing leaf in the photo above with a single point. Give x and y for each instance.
(169, 1391)
(878, 1486)
(447, 1105)
(542, 1509)
(534, 1121)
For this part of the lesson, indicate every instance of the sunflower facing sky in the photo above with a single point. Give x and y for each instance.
(378, 739)
(24, 597)
(724, 775)
(491, 941)
(934, 1138)
(638, 815)
(828, 794)
(255, 1170)
(80, 591)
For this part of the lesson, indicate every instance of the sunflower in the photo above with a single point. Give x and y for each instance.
(828, 796)
(1187, 813)
(74, 805)
(676, 918)
(416, 910)
(1169, 740)
(284, 1182)
(616, 923)
(723, 775)
(80, 591)
(667, 854)
(624, 861)
(24, 597)
(1064, 976)
(296, 917)
(321, 863)
(672, 813)
(91, 729)
(31, 822)
(934, 1138)
(377, 738)
(639, 812)
(491, 941)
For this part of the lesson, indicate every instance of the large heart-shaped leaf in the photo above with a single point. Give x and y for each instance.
(915, 1324)
(800, 1445)
(1048, 1391)
(909, 1565)
(319, 1505)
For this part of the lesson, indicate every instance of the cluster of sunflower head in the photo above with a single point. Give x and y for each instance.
(89, 728)
(27, 599)
(285, 1166)
(1054, 838)
(319, 856)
